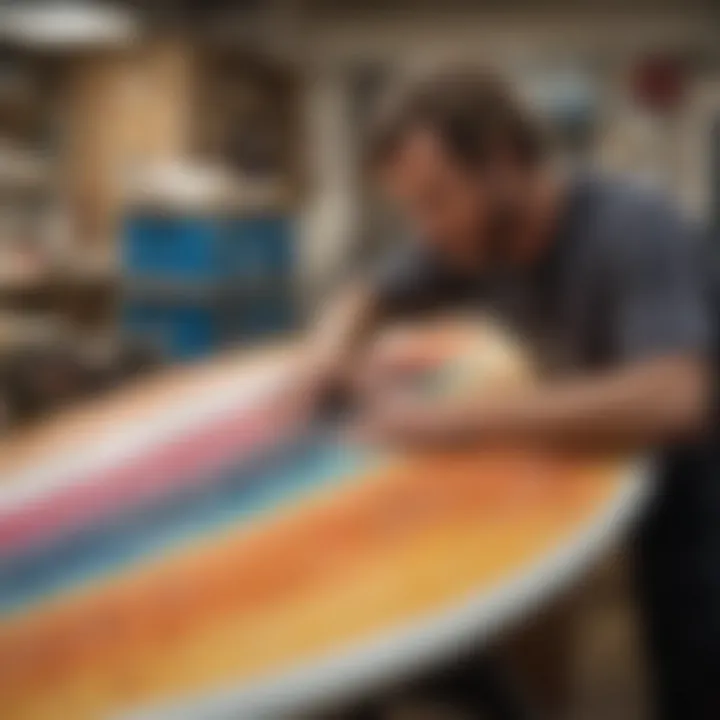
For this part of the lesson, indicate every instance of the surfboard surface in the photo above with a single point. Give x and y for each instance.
(206, 553)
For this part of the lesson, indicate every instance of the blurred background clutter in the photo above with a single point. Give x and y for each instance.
(180, 175)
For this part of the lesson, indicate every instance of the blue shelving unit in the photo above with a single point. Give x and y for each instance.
(196, 282)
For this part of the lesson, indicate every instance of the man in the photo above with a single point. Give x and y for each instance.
(605, 281)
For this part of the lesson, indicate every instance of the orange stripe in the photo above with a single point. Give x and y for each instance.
(139, 620)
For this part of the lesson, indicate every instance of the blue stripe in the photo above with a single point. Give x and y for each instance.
(227, 499)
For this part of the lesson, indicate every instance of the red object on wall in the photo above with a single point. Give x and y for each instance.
(659, 82)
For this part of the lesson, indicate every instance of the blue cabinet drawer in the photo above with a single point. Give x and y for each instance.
(179, 331)
(243, 249)
(260, 247)
(182, 247)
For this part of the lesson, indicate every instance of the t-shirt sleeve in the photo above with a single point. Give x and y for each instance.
(662, 306)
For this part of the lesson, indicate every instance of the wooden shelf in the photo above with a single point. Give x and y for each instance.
(22, 170)
(22, 330)
(18, 283)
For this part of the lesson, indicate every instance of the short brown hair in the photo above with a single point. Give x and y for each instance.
(473, 111)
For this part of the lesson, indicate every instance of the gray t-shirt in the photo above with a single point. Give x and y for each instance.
(623, 280)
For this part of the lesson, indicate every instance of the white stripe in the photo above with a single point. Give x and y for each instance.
(116, 444)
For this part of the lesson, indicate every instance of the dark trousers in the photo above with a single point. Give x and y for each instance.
(678, 581)
(474, 687)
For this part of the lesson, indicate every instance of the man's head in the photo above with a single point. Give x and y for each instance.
(456, 152)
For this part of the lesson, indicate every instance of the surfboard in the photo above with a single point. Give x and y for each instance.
(190, 549)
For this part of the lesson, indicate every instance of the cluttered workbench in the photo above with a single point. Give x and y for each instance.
(186, 548)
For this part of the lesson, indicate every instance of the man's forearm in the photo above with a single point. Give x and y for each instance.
(643, 405)
(346, 322)
(332, 347)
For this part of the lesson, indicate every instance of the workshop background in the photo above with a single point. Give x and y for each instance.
(179, 177)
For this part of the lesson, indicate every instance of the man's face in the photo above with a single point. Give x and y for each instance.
(444, 202)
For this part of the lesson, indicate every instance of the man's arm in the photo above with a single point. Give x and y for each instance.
(642, 405)
(647, 403)
(331, 350)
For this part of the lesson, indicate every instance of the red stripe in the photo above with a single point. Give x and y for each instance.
(178, 463)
